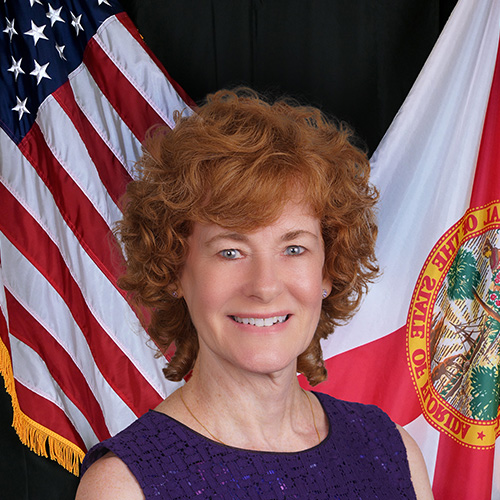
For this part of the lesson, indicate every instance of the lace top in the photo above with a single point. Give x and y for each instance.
(363, 457)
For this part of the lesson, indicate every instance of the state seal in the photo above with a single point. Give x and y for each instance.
(453, 330)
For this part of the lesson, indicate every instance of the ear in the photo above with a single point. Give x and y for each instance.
(326, 286)
(175, 290)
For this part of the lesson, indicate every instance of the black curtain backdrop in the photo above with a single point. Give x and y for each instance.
(354, 59)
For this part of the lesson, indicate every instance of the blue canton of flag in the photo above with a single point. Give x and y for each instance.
(41, 44)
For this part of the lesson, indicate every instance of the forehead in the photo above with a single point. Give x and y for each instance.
(295, 219)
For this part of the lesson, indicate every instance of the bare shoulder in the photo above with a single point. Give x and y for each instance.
(107, 479)
(418, 469)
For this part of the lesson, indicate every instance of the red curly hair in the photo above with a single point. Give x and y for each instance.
(236, 163)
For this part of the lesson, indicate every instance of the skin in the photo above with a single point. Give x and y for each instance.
(275, 271)
(246, 372)
(418, 469)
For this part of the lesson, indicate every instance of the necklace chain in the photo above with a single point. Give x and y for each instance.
(194, 416)
(215, 438)
(312, 413)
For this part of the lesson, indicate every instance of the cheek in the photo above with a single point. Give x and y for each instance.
(309, 283)
(206, 290)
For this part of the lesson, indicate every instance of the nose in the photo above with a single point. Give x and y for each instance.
(264, 281)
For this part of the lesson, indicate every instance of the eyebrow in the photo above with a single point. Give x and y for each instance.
(226, 236)
(289, 236)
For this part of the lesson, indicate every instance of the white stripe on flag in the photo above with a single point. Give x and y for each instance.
(3, 300)
(113, 313)
(73, 156)
(36, 377)
(140, 70)
(104, 118)
(36, 295)
(19, 177)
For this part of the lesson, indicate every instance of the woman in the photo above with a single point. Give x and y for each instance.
(249, 236)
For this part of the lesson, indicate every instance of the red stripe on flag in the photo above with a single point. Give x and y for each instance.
(131, 28)
(113, 175)
(374, 373)
(84, 220)
(135, 112)
(40, 250)
(47, 414)
(60, 364)
(4, 331)
(462, 473)
(486, 186)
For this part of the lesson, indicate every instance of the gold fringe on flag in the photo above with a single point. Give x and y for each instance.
(37, 437)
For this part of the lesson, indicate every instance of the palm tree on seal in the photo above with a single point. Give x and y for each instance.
(463, 280)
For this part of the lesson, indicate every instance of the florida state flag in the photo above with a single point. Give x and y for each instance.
(425, 345)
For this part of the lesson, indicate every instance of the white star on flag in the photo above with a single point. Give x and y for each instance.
(54, 15)
(10, 29)
(33, 2)
(100, 2)
(36, 32)
(76, 23)
(40, 72)
(60, 50)
(20, 107)
(16, 68)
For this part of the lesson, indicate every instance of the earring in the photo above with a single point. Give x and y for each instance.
(175, 294)
(325, 294)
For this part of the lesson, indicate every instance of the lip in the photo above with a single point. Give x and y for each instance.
(269, 314)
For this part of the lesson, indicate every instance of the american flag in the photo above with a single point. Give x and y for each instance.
(79, 89)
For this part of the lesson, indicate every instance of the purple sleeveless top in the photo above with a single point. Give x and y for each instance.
(363, 457)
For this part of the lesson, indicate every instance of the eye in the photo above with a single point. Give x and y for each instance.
(230, 253)
(294, 250)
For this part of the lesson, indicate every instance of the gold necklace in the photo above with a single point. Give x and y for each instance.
(215, 438)
(194, 416)
(312, 413)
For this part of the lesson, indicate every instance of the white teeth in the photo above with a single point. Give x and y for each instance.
(260, 321)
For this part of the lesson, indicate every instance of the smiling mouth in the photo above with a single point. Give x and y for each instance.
(261, 321)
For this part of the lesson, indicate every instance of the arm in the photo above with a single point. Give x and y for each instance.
(109, 479)
(418, 469)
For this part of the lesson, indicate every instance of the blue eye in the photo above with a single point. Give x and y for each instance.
(294, 250)
(230, 253)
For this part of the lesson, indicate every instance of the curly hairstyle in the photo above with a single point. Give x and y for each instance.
(235, 163)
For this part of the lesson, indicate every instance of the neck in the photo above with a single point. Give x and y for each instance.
(265, 412)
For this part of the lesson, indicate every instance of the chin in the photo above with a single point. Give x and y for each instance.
(268, 364)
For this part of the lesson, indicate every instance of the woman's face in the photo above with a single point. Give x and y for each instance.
(255, 298)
